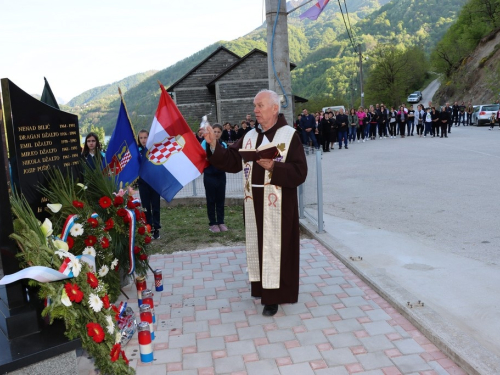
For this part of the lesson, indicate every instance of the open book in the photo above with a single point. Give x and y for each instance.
(268, 151)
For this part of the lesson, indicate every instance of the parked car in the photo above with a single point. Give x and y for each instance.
(482, 113)
(419, 93)
(413, 98)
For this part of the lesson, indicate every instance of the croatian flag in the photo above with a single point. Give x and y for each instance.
(314, 12)
(174, 157)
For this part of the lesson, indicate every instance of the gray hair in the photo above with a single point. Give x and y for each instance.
(273, 97)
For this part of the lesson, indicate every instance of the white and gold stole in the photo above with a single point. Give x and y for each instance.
(271, 249)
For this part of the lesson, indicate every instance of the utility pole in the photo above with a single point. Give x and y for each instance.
(361, 76)
(279, 54)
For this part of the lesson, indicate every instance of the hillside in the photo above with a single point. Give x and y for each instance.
(322, 51)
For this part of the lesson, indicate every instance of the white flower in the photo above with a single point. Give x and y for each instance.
(64, 254)
(65, 299)
(114, 263)
(118, 337)
(61, 245)
(76, 230)
(95, 302)
(54, 207)
(110, 327)
(82, 186)
(89, 250)
(46, 227)
(103, 271)
(76, 266)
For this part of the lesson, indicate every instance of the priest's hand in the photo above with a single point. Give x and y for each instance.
(267, 164)
(209, 136)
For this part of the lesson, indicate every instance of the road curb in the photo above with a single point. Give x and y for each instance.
(457, 345)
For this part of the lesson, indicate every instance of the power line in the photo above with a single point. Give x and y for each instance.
(348, 19)
(346, 28)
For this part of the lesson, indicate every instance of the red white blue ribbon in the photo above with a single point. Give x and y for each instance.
(68, 224)
(131, 240)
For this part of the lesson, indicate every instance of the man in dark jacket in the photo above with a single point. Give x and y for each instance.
(444, 118)
(308, 126)
(324, 129)
(342, 122)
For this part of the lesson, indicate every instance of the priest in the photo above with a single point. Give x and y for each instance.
(270, 200)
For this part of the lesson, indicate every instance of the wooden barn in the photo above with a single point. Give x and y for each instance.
(223, 85)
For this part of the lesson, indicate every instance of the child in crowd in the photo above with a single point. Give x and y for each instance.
(92, 152)
(493, 119)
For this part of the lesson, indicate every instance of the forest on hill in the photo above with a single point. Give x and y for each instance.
(324, 52)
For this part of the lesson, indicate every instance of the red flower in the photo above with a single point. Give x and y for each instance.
(142, 230)
(90, 240)
(95, 331)
(70, 241)
(117, 268)
(105, 301)
(78, 204)
(137, 213)
(121, 212)
(115, 352)
(105, 202)
(93, 222)
(115, 309)
(130, 205)
(126, 219)
(118, 201)
(92, 280)
(125, 357)
(148, 227)
(74, 293)
(147, 239)
(143, 257)
(109, 224)
(104, 243)
(137, 249)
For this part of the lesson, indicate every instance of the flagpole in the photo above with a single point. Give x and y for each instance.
(300, 6)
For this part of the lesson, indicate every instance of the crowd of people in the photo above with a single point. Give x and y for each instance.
(325, 129)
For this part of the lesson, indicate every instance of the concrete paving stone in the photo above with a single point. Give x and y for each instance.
(202, 274)
(241, 276)
(222, 330)
(205, 292)
(169, 324)
(315, 272)
(438, 368)
(375, 343)
(242, 305)
(182, 312)
(207, 314)
(258, 319)
(151, 370)
(280, 335)
(254, 332)
(326, 300)
(353, 301)
(193, 282)
(228, 293)
(171, 299)
(229, 364)
(335, 281)
(348, 325)
(210, 344)
(195, 301)
(276, 350)
(222, 275)
(162, 309)
(288, 321)
(218, 303)
(311, 279)
(219, 260)
(343, 340)
(378, 328)
(311, 338)
(351, 312)
(300, 368)
(377, 314)
(181, 341)
(210, 267)
(304, 353)
(338, 370)
(264, 367)
(353, 292)
(408, 346)
(322, 263)
(371, 361)
(168, 355)
(331, 289)
(342, 356)
(161, 336)
(234, 316)
(231, 268)
(308, 288)
(194, 327)
(183, 290)
(373, 372)
(412, 362)
(306, 297)
(323, 310)
(317, 323)
(402, 332)
(196, 360)
(241, 347)
(214, 283)
(295, 308)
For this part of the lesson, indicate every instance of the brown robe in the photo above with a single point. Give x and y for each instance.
(289, 175)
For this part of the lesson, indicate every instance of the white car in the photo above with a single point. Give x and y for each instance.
(482, 113)
(413, 98)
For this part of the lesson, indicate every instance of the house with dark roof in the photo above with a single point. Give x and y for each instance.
(226, 92)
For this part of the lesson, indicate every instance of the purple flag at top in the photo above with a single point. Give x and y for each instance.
(314, 12)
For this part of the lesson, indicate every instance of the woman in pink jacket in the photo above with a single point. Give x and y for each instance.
(360, 131)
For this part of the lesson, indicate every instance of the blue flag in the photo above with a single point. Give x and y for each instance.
(122, 155)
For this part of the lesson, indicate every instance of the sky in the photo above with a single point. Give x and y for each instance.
(78, 45)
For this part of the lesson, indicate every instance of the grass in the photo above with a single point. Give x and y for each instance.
(186, 228)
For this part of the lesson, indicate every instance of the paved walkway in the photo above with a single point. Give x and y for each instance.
(207, 323)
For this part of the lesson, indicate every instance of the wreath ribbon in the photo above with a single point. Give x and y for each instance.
(131, 240)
